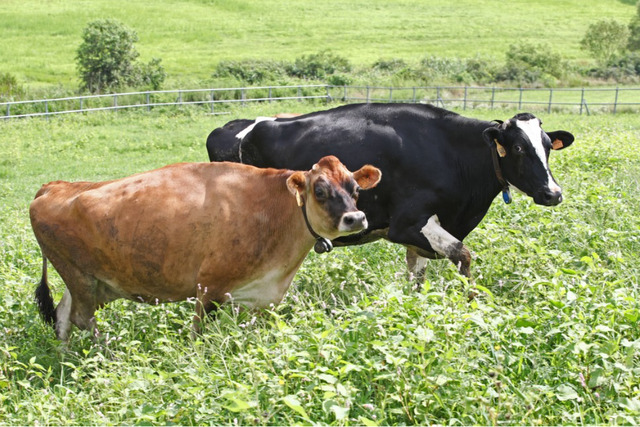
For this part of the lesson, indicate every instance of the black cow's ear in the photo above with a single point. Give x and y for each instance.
(491, 136)
(560, 139)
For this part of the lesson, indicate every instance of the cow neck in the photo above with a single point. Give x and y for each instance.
(506, 194)
(322, 244)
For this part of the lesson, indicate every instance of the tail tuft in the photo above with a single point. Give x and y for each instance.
(43, 298)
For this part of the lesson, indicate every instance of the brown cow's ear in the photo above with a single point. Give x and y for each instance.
(367, 176)
(296, 184)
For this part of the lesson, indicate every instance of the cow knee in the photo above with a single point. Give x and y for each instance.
(447, 245)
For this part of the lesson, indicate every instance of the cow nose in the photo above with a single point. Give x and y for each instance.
(548, 197)
(353, 221)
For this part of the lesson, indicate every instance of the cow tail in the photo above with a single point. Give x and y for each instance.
(43, 297)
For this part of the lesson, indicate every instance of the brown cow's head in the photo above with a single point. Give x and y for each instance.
(330, 193)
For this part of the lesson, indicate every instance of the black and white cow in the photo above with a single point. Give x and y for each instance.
(440, 170)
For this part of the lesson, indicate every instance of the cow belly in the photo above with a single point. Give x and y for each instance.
(264, 291)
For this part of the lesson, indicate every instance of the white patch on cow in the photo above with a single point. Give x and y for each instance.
(266, 290)
(440, 240)
(240, 135)
(532, 129)
(63, 316)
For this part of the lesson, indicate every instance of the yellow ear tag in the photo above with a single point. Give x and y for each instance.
(299, 199)
(501, 151)
(557, 144)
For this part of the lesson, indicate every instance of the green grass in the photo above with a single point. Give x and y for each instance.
(553, 338)
(40, 39)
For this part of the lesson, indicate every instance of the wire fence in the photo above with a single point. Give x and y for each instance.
(580, 101)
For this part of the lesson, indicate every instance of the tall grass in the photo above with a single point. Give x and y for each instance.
(553, 337)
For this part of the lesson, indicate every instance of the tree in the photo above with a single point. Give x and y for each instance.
(106, 57)
(634, 31)
(606, 40)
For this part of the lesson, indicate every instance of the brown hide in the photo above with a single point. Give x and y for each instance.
(209, 230)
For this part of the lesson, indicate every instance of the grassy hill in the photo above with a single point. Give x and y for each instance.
(40, 38)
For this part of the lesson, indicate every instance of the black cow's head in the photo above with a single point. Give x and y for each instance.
(523, 148)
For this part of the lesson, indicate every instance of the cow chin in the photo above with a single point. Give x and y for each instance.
(547, 197)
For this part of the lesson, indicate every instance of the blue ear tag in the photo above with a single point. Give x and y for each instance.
(506, 196)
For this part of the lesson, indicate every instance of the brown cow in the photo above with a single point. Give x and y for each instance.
(211, 231)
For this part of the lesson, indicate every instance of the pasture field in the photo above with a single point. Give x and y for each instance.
(553, 337)
(40, 38)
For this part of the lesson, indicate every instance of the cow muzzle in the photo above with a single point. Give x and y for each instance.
(352, 222)
(548, 197)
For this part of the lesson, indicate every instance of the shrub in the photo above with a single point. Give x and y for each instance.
(606, 40)
(318, 65)
(634, 31)
(106, 57)
(9, 87)
(529, 63)
(152, 74)
(389, 65)
(252, 71)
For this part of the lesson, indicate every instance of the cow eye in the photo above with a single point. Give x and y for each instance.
(320, 192)
(355, 193)
(518, 149)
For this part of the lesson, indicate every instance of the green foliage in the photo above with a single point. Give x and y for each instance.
(605, 40)
(551, 339)
(106, 57)
(528, 63)
(253, 72)
(634, 31)
(10, 89)
(152, 74)
(319, 65)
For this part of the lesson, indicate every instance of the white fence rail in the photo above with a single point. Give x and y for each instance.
(581, 100)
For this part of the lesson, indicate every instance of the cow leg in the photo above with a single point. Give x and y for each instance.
(78, 304)
(417, 266)
(446, 245)
(63, 317)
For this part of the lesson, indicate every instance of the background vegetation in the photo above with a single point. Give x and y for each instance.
(399, 42)
(552, 339)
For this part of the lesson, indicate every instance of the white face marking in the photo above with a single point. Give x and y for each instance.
(440, 240)
(245, 132)
(532, 129)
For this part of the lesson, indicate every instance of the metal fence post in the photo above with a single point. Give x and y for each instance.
(615, 103)
(148, 98)
(581, 101)
(464, 103)
(414, 94)
(520, 100)
(8, 109)
(550, 98)
(212, 101)
(368, 95)
(493, 96)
